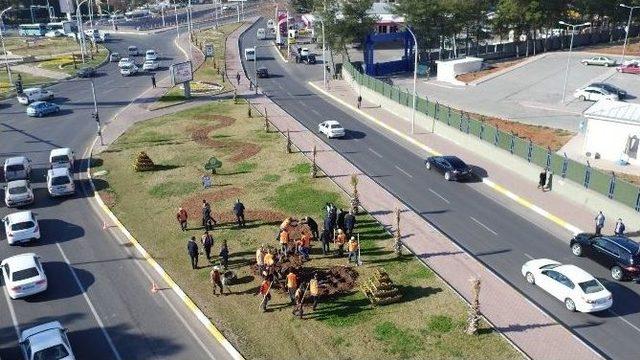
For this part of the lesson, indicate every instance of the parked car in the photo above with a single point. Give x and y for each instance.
(151, 55)
(114, 57)
(261, 34)
(86, 72)
(578, 289)
(133, 51)
(592, 93)
(129, 70)
(17, 168)
(23, 276)
(30, 95)
(150, 65)
(18, 193)
(21, 227)
(631, 61)
(632, 68)
(125, 61)
(262, 72)
(42, 108)
(54, 34)
(619, 254)
(599, 60)
(60, 182)
(611, 89)
(46, 341)
(331, 129)
(62, 158)
(452, 167)
(311, 59)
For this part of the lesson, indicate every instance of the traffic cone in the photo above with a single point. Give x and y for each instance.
(154, 287)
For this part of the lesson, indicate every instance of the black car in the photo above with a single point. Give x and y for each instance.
(262, 72)
(311, 59)
(618, 253)
(612, 89)
(451, 166)
(86, 72)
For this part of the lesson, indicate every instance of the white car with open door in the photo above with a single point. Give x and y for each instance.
(331, 129)
(23, 275)
(576, 288)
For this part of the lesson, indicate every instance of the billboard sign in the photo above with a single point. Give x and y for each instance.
(66, 6)
(208, 50)
(181, 72)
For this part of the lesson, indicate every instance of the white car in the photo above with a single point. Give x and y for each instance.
(54, 34)
(150, 65)
(304, 52)
(124, 62)
(17, 168)
(21, 227)
(23, 275)
(46, 341)
(568, 283)
(30, 95)
(18, 193)
(129, 70)
(60, 182)
(62, 158)
(592, 93)
(331, 129)
(151, 55)
(599, 60)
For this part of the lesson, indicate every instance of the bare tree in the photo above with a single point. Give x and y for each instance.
(314, 166)
(397, 243)
(474, 309)
(355, 198)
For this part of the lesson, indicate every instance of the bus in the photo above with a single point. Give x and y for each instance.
(136, 14)
(32, 29)
(66, 27)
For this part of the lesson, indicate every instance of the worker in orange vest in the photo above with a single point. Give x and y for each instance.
(266, 294)
(284, 241)
(341, 239)
(303, 245)
(353, 249)
(182, 217)
(292, 285)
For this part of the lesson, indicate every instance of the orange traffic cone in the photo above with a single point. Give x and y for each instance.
(154, 287)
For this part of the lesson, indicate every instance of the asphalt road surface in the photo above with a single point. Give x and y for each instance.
(495, 230)
(97, 287)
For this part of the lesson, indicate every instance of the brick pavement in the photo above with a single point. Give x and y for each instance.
(534, 332)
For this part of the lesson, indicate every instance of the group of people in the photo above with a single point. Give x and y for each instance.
(545, 180)
(296, 290)
(207, 243)
(618, 229)
(208, 222)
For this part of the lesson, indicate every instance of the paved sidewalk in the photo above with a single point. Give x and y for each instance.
(34, 70)
(534, 332)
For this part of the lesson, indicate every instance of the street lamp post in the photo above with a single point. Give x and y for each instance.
(626, 34)
(4, 50)
(324, 56)
(95, 110)
(175, 10)
(415, 78)
(81, 29)
(566, 75)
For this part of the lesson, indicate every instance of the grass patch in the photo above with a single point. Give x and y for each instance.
(28, 80)
(64, 63)
(176, 94)
(270, 178)
(399, 341)
(301, 169)
(245, 167)
(301, 198)
(440, 324)
(172, 188)
(41, 46)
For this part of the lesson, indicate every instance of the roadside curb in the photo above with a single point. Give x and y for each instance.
(496, 187)
(507, 70)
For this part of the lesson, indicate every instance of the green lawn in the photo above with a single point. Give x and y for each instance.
(40, 46)
(430, 319)
(27, 80)
(64, 63)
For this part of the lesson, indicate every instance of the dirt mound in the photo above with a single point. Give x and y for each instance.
(221, 120)
(242, 150)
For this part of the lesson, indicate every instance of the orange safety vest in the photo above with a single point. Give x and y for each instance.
(305, 240)
(342, 238)
(284, 237)
(353, 245)
(268, 259)
(292, 281)
(313, 287)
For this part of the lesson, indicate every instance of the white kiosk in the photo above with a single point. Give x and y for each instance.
(448, 69)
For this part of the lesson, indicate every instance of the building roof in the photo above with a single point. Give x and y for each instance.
(384, 13)
(616, 111)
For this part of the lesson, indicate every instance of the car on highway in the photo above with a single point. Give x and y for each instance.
(599, 60)
(331, 129)
(452, 167)
(619, 254)
(133, 51)
(151, 55)
(125, 61)
(46, 341)
(60, 182)
(150, 65)
(262, 72)
(21, 227)
(250, 54)
(42, 108)
(86, 72)
(62, 158)
(578, 289)
(129, 70)
(114, 57)
(17, 168)
(23, 275)
(632, 68)
(18, 193)
(592, 93)
(261, 34)
(30, 95)
(611, 89)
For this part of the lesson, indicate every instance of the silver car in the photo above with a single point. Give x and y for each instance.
(18, 193)
(599, 60)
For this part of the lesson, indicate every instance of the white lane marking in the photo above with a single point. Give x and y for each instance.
(403, 171)
(373, 151)
(315, 112)
(528, 256)
(12, 311)
(625, 320)
(444, 86)
(115, 352)
(483, 225)
(440, 196)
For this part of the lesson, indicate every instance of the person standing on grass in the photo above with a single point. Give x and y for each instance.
(326, 238)
(238, 210)
(284, 241)
(314, 290)
(224, 254)
(192, 249)
(266, 294)
(340, 219)
(207, 244)
(313, 226)
(599, 219)
(341, 239)
(182, 217)
(619, 229)
(153, 81)
(299, 301)
(359, 101)
(349, 223)
(238, 77)
(542, 179)
(292, 285)
(353, 250)
(260, 258)
(216, 280)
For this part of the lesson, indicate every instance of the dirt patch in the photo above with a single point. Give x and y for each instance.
(633, 48)
(490, 69)
(241, 150)
(193, 204)
(221, 120)
(540, 135)
(633, 179)
(109, 198)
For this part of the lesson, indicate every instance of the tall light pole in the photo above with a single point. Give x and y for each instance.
(324, 57)
(415, 78)
(626, 34)
(175, 10)
(4, 50)
(566, 75)
(81, 29)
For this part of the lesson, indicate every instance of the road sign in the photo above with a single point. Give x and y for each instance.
(208, 50)
(181, 72)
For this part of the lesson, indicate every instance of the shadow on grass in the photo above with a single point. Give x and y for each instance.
(411, 293)
(395, 259)
(343, 311)
(165, 167)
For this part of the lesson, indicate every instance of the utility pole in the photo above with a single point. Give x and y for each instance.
(626, 34)
(566, 75)
(95, 113)
(4, 50)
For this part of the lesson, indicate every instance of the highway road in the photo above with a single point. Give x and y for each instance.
(98, 288)
(493, 229)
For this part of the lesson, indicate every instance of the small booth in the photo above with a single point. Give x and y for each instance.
(613, 131)
(449, 69)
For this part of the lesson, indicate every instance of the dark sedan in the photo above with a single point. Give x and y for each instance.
(619, 254)
(451, 166)
(263, 72)
(612, 89)
(86, 72)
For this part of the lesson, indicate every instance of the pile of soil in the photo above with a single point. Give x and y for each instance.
(241, 150)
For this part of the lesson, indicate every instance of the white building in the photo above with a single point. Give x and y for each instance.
(613, 131)
(387, 21)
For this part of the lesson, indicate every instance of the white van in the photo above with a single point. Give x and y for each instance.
(30, 95)
(250, 54)
(60, 182)
(61, 158)
(261, 34)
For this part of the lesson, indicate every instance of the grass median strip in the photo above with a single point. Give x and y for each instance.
(273, 185)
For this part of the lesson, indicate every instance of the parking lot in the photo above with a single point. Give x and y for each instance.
(530, 93)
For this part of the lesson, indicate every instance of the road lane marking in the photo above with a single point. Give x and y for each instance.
(316, 112)
(483, 225)
(438, 195)
(115, 352)
(373, 151)
(528, 256)
(402, 171)
(12, 312)
(625, 320)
